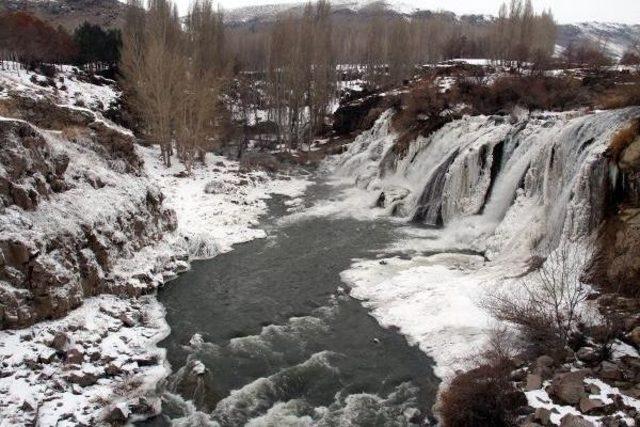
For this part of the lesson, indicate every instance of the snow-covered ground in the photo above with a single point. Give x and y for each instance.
(101, 359)
(218, 207)
(67, 87)
(494, 223)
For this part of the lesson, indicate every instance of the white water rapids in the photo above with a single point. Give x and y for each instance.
(495, 193)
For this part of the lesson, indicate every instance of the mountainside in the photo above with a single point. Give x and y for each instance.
(109, 13)
(616, 37)
(71, 13)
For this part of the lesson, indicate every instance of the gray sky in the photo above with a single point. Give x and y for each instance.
(566, 11)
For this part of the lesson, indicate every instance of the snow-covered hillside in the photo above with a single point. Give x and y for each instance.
(616, 38)
(90, 225)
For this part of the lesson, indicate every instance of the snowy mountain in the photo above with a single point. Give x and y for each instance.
(616, 37)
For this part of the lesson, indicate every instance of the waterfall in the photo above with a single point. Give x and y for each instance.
(536, 178)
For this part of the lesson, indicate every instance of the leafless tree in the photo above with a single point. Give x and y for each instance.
(151, 43)
(547, 307)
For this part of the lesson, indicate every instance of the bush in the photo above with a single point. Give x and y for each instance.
(481, 397)
(622, 139)
(532, 92)
(620, 96)
(546, 307)
(425, 109)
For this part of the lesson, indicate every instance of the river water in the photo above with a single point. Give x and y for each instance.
(267, 334)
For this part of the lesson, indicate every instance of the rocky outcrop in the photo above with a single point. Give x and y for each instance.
(616, 262)
(73, 206)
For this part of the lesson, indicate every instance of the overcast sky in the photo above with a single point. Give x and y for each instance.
(566, 11)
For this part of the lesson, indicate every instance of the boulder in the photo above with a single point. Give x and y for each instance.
(570, 420)
(83, 379)
(589, 405)
(587, 354)
(60, 341)
(610, 371)
(569, 388)
(74, 355)
(634, 336)
(534, 382)
(542, 416)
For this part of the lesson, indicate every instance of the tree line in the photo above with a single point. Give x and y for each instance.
(26, 39)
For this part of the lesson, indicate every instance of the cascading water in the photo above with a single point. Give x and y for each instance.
(473, 171)
(512, 189)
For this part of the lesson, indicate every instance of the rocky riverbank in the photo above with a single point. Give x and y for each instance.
(90, 225)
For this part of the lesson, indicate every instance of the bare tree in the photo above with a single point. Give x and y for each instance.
(547, 307)
(151, 43)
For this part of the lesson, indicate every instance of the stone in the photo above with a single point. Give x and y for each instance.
(83, 379)
(26, 406)
(112, 370)
(569, 387)
(534, 382)
(571, 420)
(127, 320)
(518, 375)
(610, 371)
(544, 361)
(587, 354)
(588, 405)
(543, 416)
(118, 414)
(60, 341)
(634, 336)
(74, 355)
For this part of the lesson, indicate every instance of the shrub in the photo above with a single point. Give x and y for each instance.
(532, 92)
(620, 96)
(481, 397)
(622, 139)
(546, 309)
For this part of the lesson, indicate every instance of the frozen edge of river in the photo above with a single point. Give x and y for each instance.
(128, 330)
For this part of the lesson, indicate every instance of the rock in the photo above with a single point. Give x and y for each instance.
(83, 379)
(26, 406)
(60, 341)
(74, 355)
(570, 420)
(610, 371)
(587, 405)
(569, 387)
(112, 370)
(518, 375)
(543, 366)
(543, 416)
(587, 354)
(634, 336)
(196, 341)
(118, 414)
(127, 320)
(534, 382)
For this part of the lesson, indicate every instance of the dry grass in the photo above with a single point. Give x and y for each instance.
(481, 397)
(621, 96)
(623, 138)
(74, 133)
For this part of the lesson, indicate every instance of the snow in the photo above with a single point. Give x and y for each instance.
(209, 222)
(64, 404)
(433, 300)
(541, 399)
(68, 89)
(489, 237)
(212, 222)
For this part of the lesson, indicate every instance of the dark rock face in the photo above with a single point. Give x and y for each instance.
(44, 275)
(30, 171)
(359, 114)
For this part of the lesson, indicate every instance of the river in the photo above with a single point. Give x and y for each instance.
(278, 341)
